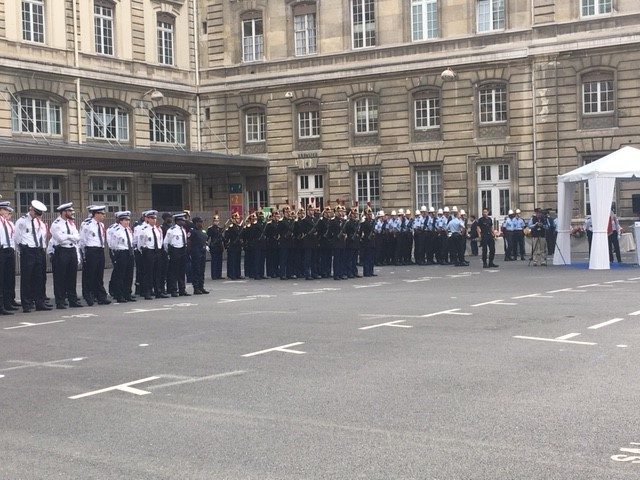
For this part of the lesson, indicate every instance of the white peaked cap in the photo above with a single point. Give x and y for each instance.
(462, 212)
(431, 209)
(417, 212)
(440, 212)
(510, 212)
(454, 209)
(401, 211)
(446, 209)
(393, 212)
(423, 208)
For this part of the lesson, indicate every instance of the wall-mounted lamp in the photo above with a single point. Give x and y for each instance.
(448, 74)
(154, 94)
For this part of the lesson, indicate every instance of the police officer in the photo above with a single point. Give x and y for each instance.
(441, 237)
(285, 244)
(258, 240)
(31, 238)
(430, 240)
(352, 244)
(380, 238)
(420, 235)
(175, 245)
(309, 239)
(487, 239)
(216, 247)
(518, 236)
(198, 252)
(137, 227)
(232, 243)
(457, 237)
(7, 261)
(65, 257)
(150, 244)
(367, 236)
(93, 241)
(271, 240)
(163, 259)
(338, 242)
(120, 242)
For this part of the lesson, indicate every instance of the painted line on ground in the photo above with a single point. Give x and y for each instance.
(28, 324)
(604, 324)
(308, 293)
(493, 302)
(553, 340)
(81, 315)
(53, 363)
(633, 314)
(146, 310)
(532, 295)
(377, 284)
(566, 290)
(591, 285)
(123, 387)
(187, 380)
(282, 348)
(567, 336)
(387, 324)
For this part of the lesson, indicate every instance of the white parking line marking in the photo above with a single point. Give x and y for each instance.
(493, 302)
(604, 324)
(80, 315)
(145, 310)
(143, 345)
(308, 293)
(54, 364)
(616, 281)
(283, 348)
(27, 324)
(377, 284)
(420, 279)
(453, 311)
(388, 324)
(635, 313)
(554, 340)
(591, 285)
(567, 336)
(622, 346)
(532, 295)
(123, 387)
(196, 379)
(565, 290)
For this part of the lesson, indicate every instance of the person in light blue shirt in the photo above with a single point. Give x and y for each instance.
(518, 236)
(508, 227)
(456, 232)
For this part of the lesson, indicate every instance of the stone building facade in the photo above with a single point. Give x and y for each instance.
(396, 103)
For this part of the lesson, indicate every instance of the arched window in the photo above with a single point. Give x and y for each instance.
(167, 127)
(35, 113)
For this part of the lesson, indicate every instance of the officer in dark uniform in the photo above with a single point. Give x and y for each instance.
(351, 244)
(285, 244)
(324, 248)
(121, 245)
(198, 252)
(338, 242)
(163, 256)
(64, 263)
(175, 245)
(367, 235)
(93, 240)
(245, 240)
(271, 238)
(259, 244)
(216, 248)
(232, 243)
(309, 236)
(487, 239)
(7, 261)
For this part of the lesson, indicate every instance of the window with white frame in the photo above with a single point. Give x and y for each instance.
(107, 122)
(424, 19)
(590, 8)
(363, 23)
(33, 20)
(165, 30)
(252, 39)
(37, 187)
(311, 190)
(368, 188)
(597, 97)
(308, 121)
(490, 15)
(493, 104)
(36, 115)
(257, 200)
(427, 112)
(166, 128)
(103, 28)
(255, 126)
(366, 115)
(304, 29)
(429, 187)
(108, 191)
(494, 188)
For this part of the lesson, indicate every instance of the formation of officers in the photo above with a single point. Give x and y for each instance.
(159, 254)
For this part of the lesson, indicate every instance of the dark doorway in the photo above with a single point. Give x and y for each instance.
(166, 197)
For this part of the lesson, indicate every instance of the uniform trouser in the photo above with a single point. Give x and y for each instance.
(216, 263)
(338, 263)
(258, 261)
(65, 273)
(390, 249)
(351, 261)
(430, 246)
(139, 270)
(400, 248)
(539, 247)
(408, 247)
(518, 244)
(283, 258)
(198, 264)
(309, 262)
(33, 276)
(379, 249)
(367, 253)
(443, 247)
(474, 246)
(176, 270)
(272, 262)
(456, 242)
(589, 239)
(325, 261)
(614, 246)
(234, 257)
(122, 274)
(509, 245)
(419, 253)
(488, 243)
(188, 268)
(93, 272)
(151, 272)
(163, 269)
(7, 276)
(248, 262)
(298, 258)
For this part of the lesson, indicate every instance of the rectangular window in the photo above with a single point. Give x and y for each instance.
(252, 40)
(490, 15)
(304, 182)
(427, 113)
(304, 27)
(109, 123)
(108, 191)
(311, 190)
(35, 115)
(257, 199)
(255, 127)
(596, 7)
(34, 187)
(493, 105)
(366, 113)
(597, 97)
(494, 188)
(485, 173)
(166, 128)
(368, 189)
(429, 188)
(503, 171)
(33, 21)
(363, 23)
(309, 124)
(103, 28)
(505, 203)
(424, 19)
(165, 43)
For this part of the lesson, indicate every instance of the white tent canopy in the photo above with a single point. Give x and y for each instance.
(601, 175)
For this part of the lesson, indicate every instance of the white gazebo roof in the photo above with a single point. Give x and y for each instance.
(623, 163)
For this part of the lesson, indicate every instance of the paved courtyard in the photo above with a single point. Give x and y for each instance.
(420, 373)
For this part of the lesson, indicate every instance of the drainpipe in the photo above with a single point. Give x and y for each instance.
(196, 35)
(535, 132)
(557, 118)
(76, 64)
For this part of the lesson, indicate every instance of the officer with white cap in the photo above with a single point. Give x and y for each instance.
(508, 228)
(7, 261)
(121, 245)
(419, 235)
(150, 244)
(441, 223)
(31, 238)
(64, 262)
(175, 244)
(92, 242)
(518, 236)
(430, 239)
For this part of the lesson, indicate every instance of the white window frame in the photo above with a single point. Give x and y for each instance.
(494, 97)
(33, 31)
(368, 188)
(103, 22)
(167, 128)
(311, 190)
(599, 7)
(308, 124)
(432, 109)
(602, 94)
(494, 11)
(50, 195)
(36, 113)
(166, 42)
(253, 44)
(363, 30)
(494, 187)
(109, 191)
(305, 34)
(255, 126)
(257, 198)
(424, 20)
(99, 119)
(368, 106)
(429, 187)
